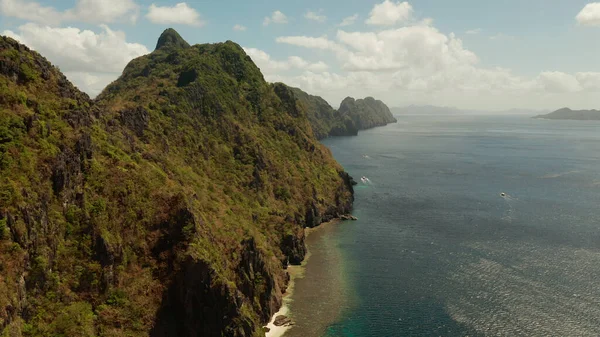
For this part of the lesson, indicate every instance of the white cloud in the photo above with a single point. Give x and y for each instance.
(92, 59)
(239, 28)
(31, 11)
(276, 17)
(88, 11)
(310, 42)
(103, 11)
(589, 15)
(271, 67)
(181, 13)
(91, 82)
(429, 66)
(389, 13)
(557, 82)
(315, 16)
(418, 64)
(474, 31)
(348, 21)
(589, 80)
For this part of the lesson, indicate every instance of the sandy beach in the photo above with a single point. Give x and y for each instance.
(278, 331)
(314, 298)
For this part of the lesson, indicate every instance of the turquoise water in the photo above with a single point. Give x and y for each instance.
(437, 250)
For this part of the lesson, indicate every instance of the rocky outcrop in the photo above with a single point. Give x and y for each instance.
(366, 113)
(324, 120)
(199, 303)
(282, 320)
(170, 38)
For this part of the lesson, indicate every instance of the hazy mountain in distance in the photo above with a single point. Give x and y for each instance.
(566, 113)
(439, 110)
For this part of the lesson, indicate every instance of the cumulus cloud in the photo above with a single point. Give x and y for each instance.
(348, 21)
(557, 82)
(589, 80)
(103, 11)
(239, 28)
(181, 14)
(420, 61)
(310, 42)
(390, 13)
(589, 15)
(315, 16)
(88, 11)
(270, 67)
(31, 11)
(276, 17)
(92, 59)
(90, 82)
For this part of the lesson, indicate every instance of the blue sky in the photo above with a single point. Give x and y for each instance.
(466, 53)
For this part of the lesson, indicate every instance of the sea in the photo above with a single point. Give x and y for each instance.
(467, 226)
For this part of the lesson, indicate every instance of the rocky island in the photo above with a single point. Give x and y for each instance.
(352, 116)
(325, 121)
(566, 113)
(366, 113)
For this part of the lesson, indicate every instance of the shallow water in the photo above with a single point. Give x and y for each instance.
(321, 292)
(437, 250)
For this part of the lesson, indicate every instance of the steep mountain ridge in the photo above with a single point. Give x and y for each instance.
(325, 120)
(353, 115)
(116, 214)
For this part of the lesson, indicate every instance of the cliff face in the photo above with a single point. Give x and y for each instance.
(324, 120)
(567, 113)
(168, 207)
(366, 113)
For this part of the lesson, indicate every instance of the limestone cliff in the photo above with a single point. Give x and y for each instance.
(324, 120)
(366, 113)
(169, 206)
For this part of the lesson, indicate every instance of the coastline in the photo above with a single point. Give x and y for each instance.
(304, 302)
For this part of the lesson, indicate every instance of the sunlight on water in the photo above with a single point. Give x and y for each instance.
(439, 251)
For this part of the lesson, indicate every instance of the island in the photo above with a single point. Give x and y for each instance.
(568, 114)
(352, 116)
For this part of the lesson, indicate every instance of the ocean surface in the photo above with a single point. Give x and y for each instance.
(437, 249)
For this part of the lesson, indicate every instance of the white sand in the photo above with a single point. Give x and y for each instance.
(278, 331)
(294, 271)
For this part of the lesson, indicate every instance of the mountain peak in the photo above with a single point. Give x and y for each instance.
(170, 38)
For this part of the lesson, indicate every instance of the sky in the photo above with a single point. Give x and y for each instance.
(471, 54)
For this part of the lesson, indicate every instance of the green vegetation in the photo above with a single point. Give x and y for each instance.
(366, 113)
(352, 116)
(324, 120)
(184, 186)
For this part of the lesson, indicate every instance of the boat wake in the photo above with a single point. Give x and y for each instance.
(509, 215)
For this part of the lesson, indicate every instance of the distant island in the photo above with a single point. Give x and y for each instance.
(442, 110)
(352, 116)
(566, 113)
